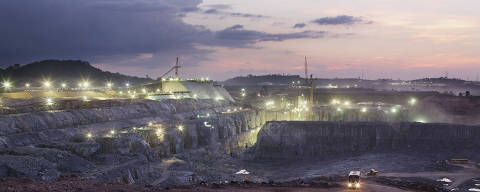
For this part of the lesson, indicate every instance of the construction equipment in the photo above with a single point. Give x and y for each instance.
(175, 67)
(311, 98)
(354, 180)
(459, 161)
(306, 72)
(372, 172)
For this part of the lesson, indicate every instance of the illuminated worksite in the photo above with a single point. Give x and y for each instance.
(239, 95)
(167, 131)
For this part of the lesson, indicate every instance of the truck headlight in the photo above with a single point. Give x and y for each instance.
(357, 185)
(349, 185)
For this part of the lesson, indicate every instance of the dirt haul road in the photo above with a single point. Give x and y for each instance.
(367, 187)
(81, 184)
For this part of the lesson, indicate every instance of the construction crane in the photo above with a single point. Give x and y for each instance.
(311, 97)
(175, 67)
(306, 72)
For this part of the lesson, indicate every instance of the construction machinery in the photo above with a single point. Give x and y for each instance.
(306, 72)
(175, 67)
(311, 99)
(372, 172)
(459, 161)
(354, 180)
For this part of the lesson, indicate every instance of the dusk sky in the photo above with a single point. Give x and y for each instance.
(405, 39)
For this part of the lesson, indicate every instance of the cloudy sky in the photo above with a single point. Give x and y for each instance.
(223, 38)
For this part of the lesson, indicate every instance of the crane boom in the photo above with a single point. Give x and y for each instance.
(175, 67)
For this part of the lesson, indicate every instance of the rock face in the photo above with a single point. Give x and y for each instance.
(297, 140)
(117, 143)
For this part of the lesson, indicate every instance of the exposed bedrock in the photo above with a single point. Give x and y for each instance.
(33, 128)
(295, 139)
(44, 145)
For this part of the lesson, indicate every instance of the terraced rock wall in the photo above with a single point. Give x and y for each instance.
(128, 142)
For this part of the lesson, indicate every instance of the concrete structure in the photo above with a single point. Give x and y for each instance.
(194, 89)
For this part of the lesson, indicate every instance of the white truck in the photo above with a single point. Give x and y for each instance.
(354, 180)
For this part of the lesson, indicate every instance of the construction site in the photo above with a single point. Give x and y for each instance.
(197, 134)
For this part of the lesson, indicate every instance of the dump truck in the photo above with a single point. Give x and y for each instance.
(354, 180)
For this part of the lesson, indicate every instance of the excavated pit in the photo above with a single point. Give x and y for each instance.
(217, 140)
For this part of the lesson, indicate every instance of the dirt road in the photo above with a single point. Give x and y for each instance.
(367, 187)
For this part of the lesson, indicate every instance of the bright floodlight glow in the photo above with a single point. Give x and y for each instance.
(49, 101)
(393, 110)
(109, 85)
(127, 84)
(6, 84)
(180, 127)
(64, 85)
(27, 84)
(412, 101)
(159, 131)
(364, 109)
(86, 84)
(47, 84)
(335, 102)
(269, 103)
(420, 120)
(112, 132)
(144, 90)
(89, 135)
(347, 103)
